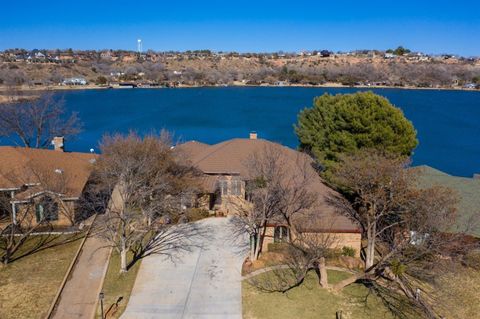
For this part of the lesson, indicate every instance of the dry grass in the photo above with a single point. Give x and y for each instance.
(309, 300)
(459, 295)
(117, 287)
(29, 284)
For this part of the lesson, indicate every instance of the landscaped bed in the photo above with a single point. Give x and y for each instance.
(309, 300)
(30, 282)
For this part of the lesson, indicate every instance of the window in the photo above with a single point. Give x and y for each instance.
(46, 210)
(281, 234)
(5, 205)
(223, 187)
(236, 187)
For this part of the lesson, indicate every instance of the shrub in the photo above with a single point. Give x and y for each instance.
(348, 251)
(194, 214)
(101, 80)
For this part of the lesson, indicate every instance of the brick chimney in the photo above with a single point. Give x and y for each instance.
(58, 143)
(253, 135)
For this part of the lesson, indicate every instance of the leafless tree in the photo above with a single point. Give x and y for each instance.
(277, 191)
(148, 182)
(34, 123)
(404, 226)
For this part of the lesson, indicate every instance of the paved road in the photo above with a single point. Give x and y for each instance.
(204, 283)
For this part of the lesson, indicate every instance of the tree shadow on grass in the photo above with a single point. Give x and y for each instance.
(40, 242)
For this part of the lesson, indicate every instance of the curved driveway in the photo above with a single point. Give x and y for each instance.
(203, 283)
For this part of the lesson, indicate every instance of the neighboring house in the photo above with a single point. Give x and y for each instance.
(75, 81)
(226, 175)
(38, 185)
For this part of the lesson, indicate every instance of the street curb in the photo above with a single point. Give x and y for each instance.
(69, 271)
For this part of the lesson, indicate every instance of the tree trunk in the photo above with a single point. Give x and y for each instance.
(253, 245)
(323, 273)
(257, 246)
(123, 256)
(6, 258)
(370, 253)
(350, 280)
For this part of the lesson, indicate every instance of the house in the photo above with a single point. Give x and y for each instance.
(39, 185)
(226, 176)
(389, 55)
(106, 55)
(75, 81)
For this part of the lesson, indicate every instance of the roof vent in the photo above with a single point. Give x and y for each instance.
(253, 135)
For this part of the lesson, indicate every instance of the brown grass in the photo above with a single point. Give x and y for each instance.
(29, 284)
(117, 287)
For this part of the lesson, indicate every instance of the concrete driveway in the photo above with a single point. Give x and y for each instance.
(203, 283)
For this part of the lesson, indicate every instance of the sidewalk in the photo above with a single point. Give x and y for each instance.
(80, 293)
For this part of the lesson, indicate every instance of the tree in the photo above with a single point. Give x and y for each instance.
(101, 80)
(407, 229)
(401, 51)
(148, 183)
(341, 124)
(277, 189)
(34, 123)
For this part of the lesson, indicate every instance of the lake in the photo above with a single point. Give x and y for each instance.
(448, 122)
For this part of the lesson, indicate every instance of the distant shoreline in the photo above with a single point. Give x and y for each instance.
(4, 89)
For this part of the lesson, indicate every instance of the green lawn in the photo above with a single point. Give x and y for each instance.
(117, 287)
(309, 300)
(468, 190)
(29, 284)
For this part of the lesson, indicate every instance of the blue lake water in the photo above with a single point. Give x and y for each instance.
(448, 122)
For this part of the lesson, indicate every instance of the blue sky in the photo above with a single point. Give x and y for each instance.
(255, 26)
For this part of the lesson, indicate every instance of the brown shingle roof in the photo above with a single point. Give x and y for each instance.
(232, 156)
(20, 166)
(192, 147)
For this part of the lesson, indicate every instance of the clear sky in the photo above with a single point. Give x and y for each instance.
(254, 26)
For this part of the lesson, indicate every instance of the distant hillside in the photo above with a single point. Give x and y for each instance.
(372, 68)
(468, 190)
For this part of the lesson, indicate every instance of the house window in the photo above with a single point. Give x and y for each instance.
(223, 187)
(5, 206)
(281, 234)
(236, 187)
(46, 210)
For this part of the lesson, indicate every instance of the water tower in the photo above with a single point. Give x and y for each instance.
(139, 45)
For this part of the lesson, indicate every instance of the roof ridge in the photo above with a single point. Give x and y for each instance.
(225, 143)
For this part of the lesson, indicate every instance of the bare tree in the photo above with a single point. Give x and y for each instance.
(148, 183)
(34, 123)
(405, 227)
(278, 189)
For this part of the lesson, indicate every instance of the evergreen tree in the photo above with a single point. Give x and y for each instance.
(344, 123)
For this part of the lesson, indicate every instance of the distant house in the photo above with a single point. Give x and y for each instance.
(39, 55)
(225, 181)
(106, 55)
(75, 81)
(39, 185)
(470, 86)
(389, 56)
